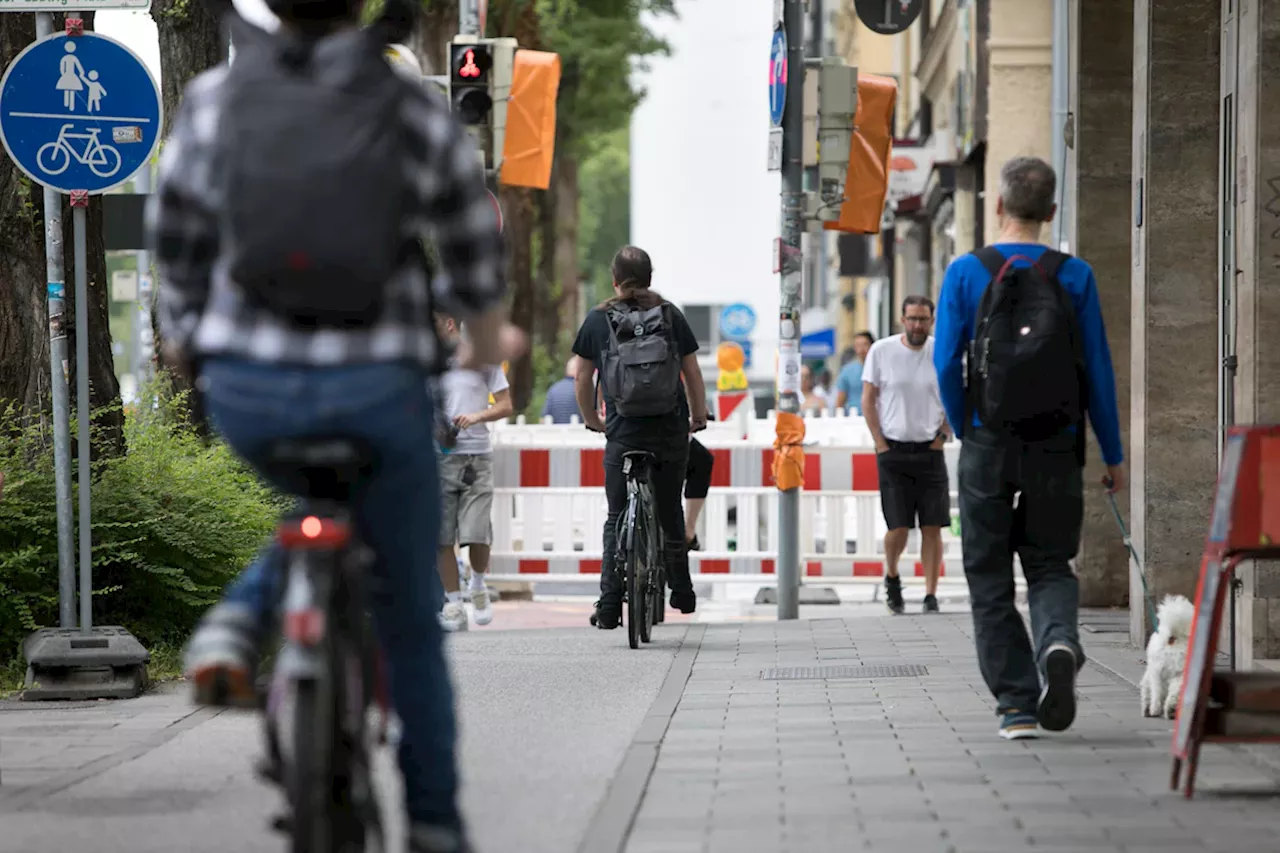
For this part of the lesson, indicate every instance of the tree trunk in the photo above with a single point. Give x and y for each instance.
(430, 41)
(191, 41)
(24, 325)
(518, 207)
(564, 188)
(546, 288)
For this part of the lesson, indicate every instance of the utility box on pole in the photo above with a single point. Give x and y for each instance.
(837, 105)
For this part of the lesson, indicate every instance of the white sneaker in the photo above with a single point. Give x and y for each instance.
(454, 617)
(480, 603)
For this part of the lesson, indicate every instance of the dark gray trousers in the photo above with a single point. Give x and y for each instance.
(1042, 526)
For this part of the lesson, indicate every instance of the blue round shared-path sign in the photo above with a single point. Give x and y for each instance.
(79, 112)
(778, 76)
(737, 321)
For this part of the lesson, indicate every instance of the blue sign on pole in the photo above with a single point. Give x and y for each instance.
(746, 353)
(778, 76)
(737, 321)
(819, 344)
(79, 112)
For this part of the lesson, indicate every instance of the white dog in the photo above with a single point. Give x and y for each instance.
(1167, 656)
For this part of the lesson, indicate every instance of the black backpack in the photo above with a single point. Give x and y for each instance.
(642, 366)
(312, 150)
(1026, 374)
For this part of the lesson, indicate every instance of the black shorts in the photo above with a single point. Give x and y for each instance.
(697, 478)
(913, 484)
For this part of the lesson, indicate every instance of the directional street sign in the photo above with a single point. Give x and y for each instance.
(79, 112)
(778, 76)
(737, 321)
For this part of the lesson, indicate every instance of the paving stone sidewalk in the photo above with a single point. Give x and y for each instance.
(913, 764)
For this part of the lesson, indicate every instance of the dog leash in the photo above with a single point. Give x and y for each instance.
(1128, 543)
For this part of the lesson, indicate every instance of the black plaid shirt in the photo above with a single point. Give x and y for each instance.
(204, 313)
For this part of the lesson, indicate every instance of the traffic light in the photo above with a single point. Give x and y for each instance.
(479, 86)
(470, 73)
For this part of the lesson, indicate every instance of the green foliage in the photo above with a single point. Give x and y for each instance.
(546, 371)
(600, 42)
(604, 207)
(174, 520)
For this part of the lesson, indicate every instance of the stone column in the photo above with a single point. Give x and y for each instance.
(1255, 104)
(1100, 170)
(1174, 393)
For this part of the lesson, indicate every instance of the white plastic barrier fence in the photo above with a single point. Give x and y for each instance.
(549, 509)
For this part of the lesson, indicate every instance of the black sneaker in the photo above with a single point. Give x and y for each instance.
(606, 617)
(893, 595)
(931, 604)
(686, 601)
(1057, 707)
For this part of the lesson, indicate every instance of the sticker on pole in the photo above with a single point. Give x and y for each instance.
(778, 76)
(79, 112)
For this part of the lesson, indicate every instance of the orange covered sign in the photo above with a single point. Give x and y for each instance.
(529, 145)
(867, 181)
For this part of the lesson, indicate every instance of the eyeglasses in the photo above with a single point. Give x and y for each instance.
(919, 320)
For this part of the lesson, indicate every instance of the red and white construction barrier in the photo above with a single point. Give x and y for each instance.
(550, 508)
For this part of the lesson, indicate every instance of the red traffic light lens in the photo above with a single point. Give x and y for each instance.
(471, 63)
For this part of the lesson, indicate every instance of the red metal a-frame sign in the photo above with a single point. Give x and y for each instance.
(1245, 525)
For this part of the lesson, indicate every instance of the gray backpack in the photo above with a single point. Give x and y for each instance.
(641, 366)
(313, 156)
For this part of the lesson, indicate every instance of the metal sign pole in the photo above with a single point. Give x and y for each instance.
(56, 290)
(791, 267)
(78, 204)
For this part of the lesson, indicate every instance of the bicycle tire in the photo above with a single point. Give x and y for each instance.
(635, 592)
(309, 769)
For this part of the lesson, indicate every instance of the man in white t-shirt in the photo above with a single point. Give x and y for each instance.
(466, 479)
(903, 411)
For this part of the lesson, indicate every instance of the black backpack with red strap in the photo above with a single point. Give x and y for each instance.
(1026, 376)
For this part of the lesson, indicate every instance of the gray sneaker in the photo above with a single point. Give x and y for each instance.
(481, 605)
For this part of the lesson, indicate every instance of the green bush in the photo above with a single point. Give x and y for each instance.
(173, 520)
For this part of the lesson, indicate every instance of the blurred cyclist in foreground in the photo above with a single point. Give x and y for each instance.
(293, 192)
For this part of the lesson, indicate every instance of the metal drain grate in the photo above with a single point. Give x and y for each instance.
(803, 673)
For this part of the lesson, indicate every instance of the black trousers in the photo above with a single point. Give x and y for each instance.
(1025, 498)
(667, 479)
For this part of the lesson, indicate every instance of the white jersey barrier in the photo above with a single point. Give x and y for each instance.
(550, 507)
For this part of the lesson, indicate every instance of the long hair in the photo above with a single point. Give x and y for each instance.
(633, 274)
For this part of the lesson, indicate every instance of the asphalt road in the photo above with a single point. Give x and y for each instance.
(546, 716)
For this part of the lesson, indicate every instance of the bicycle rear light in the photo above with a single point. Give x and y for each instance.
(313, 532)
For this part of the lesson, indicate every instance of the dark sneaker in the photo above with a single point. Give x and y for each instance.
(1057, 709)
(893, 595)
(1019, 725)
(606, 616)
(931, 604)
(686, 601)
(437, 839)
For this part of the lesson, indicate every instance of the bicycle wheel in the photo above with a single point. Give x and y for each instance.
(635, 590)
(659, 596)
(310, 773)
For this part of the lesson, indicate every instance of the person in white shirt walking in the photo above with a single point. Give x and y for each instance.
(466, 479)
(903, 411)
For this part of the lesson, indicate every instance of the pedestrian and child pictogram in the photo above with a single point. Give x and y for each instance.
(79, 112)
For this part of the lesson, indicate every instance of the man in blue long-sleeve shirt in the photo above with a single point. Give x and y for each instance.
(1025, 496)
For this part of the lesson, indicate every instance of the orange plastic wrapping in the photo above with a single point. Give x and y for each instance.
(788, 452)
(530, 142)
(866, 183)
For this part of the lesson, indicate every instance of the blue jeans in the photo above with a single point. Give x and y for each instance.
(398, 515)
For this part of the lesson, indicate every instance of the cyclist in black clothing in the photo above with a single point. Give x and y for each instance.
(665, 436)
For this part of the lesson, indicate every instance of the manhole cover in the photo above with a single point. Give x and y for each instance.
(802, 673)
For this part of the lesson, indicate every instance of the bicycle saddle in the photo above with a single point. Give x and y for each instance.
(320, 467)
(637, 461)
